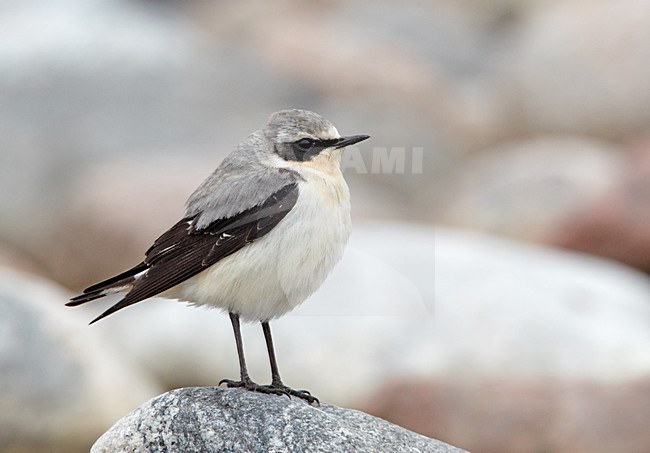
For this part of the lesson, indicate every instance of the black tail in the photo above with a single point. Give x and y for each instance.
(98, 290)
(125, 302)
(85, 297)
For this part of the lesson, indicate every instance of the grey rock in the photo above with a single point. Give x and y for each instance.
(212, 419)
(60, 384)
(584, 67)
(614, 224)
(524, 189)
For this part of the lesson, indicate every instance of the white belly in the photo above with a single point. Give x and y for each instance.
(276, 273)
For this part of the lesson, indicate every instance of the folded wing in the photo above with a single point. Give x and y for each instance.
(185, 250)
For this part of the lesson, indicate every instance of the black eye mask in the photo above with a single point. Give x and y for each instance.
(306, 149)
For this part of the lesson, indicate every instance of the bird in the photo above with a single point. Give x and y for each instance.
(259, 235)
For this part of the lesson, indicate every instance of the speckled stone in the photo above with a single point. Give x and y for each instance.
(212, 419)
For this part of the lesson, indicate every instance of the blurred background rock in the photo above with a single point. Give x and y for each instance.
(533, 118)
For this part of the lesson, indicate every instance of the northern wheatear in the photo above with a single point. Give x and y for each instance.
(259, 235)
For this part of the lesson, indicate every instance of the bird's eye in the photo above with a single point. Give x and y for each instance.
(305, 143)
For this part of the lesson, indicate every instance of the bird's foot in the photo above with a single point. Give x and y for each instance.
(281, 389)
(271, 389)
(245, 383)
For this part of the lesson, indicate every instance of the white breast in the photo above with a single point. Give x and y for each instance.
(276, 273)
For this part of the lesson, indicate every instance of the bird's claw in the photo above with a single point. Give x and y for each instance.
(246, 383)
(271, 389)
(302, 394)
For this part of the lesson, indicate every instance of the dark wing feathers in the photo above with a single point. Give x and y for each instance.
(184, 251)
(170, 238)
(118, 278)
(97, 290)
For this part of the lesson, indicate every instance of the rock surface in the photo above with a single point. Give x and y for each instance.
(212, 419)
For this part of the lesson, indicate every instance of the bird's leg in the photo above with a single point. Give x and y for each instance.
(245, 381)
(275, 373)
(276, 387)
(276, 381)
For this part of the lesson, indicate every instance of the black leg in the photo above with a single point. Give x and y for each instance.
(276, 381)
(276, 387)
(243, 371)
(245, 381)
(275, 374)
